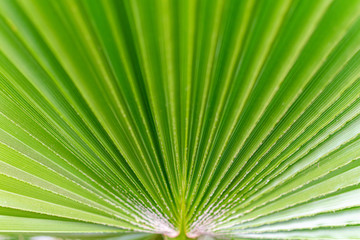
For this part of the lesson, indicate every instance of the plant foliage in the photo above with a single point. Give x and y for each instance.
(132, 119)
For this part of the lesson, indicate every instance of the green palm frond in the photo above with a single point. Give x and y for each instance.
(152, 119)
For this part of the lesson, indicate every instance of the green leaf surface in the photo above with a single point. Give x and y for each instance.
(158, 119)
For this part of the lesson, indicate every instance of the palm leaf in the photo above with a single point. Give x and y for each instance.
(158, 119)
